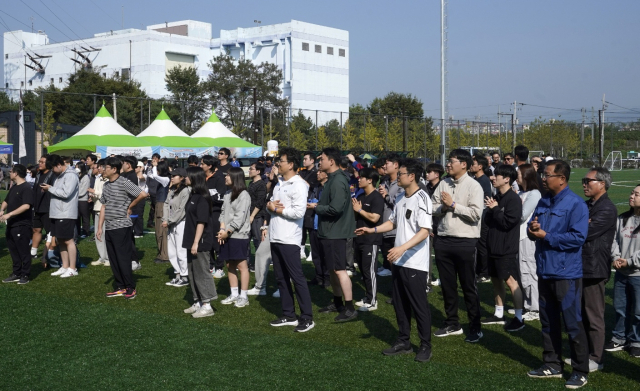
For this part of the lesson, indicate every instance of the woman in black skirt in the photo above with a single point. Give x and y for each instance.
(234, 235)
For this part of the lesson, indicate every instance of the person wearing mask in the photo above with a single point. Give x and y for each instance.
(16, 212)
(42, 199)
(596, 260)
(336, 223)
(118, 198)
(368, 208)
(63, 212)
(173, 219)
(625, 254)
(458, 203)
(559, 226)
(482, 261)
(83, 223)
(287, 207)
(233, 236)
(198, 235)
(530, 196)
(96, 193)
(160, 174)
(503, 214)
(411, 218)
(389, 190)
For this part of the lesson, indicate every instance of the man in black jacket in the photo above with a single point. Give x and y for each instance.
(42, 199)
(596, 262)
(503, 214)
(310, 175)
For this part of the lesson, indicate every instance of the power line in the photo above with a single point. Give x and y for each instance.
(16, 19)
(547, 107)
(104, 12)
(71, 16)
(54, 14)
(52, 25)
(613, 104)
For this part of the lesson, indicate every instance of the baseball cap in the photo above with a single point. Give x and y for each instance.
(180, 172)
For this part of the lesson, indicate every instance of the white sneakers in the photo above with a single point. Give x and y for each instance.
(203, 312)
(59, 272)
(96, 263)
(257, 292)
(69, 273)
(135, 266)
(276, 293)
(384, 273)
(366, 307)
(219, 273)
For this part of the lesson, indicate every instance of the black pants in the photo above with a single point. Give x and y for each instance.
(482, 258)
(120, 256)
(350, 255)
(214, 262)
(287, 267)
(322, 273)
(365, 255)
(83, 225)
(152, 211)
(410, 297)
(387, 244)
(455, 258)
(132, 240)
(593, 315)
(563, 297)
(138, 222)
(20, 249)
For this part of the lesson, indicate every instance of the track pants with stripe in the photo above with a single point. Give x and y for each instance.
(410, 297)
(365, 256)
(177, 253)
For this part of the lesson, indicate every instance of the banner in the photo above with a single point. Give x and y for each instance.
(174, 153)
(138, 152)
(6, 148)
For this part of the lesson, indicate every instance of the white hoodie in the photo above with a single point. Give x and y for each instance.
(286, 228)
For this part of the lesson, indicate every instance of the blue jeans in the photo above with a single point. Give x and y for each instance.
(626, 302)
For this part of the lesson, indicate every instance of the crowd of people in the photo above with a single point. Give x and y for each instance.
(486, 218)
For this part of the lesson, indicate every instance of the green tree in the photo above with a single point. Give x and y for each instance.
(397, 105)
(230, 88)
(185, 86)
(50, 128)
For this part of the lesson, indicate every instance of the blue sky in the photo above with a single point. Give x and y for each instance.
(561, 54)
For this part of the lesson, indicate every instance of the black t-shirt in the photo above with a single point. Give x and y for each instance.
(372, 203)
(485, 182)
(42, 199)
(197, 212)
(132, 176)
(19, 195)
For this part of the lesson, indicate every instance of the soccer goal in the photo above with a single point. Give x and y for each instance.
(614, 161)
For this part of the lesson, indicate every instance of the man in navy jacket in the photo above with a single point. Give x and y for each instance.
(559, 226)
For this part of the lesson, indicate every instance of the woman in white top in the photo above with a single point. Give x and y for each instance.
(96, 193)
(174, 220)
(530, 195)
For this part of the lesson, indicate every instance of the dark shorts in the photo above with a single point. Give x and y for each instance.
(234, 250)
(333, 253)
(504, 267)
(63, 228)
(41, 220)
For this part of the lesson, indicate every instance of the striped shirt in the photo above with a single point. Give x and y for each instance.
(116, 198)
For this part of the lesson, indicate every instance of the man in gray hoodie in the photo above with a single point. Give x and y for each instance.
(63, 212)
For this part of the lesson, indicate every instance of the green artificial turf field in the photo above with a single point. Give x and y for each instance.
(64, 334)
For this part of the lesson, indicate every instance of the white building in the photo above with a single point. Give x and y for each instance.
(314, 59)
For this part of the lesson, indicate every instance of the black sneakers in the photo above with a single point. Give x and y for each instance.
(304, 325)
(424, 354)
(576, 381)
(447, 331)
(24, 280)
(473, 336)
(398, 347)
(613, 347)
(330, 308)
(284, 321)
(515, 325)
(346, 315)
(634, 352)
(545, 371)
(11, 278)
(492, 320)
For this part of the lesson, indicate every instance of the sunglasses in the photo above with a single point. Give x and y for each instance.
(586, 181)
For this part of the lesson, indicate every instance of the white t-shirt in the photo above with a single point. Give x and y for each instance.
(410, 215)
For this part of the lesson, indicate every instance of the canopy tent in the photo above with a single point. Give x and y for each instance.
(214, 134)
(102, 130)
(6, 148)
(165, 133)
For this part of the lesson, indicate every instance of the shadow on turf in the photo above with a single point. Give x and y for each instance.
(501, 343)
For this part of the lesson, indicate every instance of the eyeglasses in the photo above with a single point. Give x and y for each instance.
(221, 153)
(451, 161)
(508, 158)
(544, 176)
(586, 181)
(281, 161)
(402, 173)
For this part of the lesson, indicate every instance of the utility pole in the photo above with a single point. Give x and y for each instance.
(255, 123)
(499, 129)
(115, 108)
(601, 132)
(443, 79)
(583, 111)
(514, 119)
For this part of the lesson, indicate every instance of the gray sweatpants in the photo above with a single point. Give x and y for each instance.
(528, 275)
(200, 278)
(101, 245)
(263, 259)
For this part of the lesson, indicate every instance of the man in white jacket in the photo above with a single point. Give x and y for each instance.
(287, 208)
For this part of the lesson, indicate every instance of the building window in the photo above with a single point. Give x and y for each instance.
(305, 46)
(318, 49)
(117, 74)
(52, 80)
(342, 52)
(104, 75)
(6, 56)
(59, 80)
(330, 50)
(21, 84)
(30, 82)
